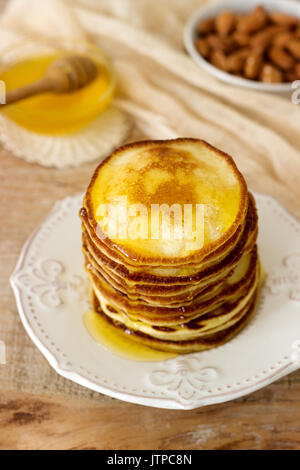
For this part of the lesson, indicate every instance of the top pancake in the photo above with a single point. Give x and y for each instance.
(181, 171)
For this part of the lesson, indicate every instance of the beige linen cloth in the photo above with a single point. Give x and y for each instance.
(168, 96)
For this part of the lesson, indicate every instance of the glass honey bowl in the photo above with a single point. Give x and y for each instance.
(51, 113)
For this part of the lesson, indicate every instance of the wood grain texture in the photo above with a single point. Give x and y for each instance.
(267, 419)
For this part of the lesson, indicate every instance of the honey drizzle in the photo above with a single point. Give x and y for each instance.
(119, 342)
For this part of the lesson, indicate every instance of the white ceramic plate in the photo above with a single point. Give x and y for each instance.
(287, 6)
(50, 286)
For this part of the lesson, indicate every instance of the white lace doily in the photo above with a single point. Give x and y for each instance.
(95, 141)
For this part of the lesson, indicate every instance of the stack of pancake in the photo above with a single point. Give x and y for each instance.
(177, 291)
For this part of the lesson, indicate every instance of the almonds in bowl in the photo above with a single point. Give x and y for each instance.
(257, 48)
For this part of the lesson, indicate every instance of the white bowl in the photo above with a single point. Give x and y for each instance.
(290, 7)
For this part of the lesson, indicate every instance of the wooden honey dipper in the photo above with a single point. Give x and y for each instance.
(64, 75)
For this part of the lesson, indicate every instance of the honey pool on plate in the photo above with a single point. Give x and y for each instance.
(50, 113)
(120, 343)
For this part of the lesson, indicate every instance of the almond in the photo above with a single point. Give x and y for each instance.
(236, 61)
(219, 60)
(281, 58)
(221, 44)
(260, 14)
(296, 33)
(253, 65)
(282, 38)
(270, 74)
(294, 48)
(241, 39)
(282, 18)
(206, 26)
(254, 21)
(225, 22)
(202, 47)
(262, 39)
(290, 76)
(297, 70)
(293, 75)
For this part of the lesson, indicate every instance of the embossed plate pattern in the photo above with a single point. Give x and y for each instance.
(51, 291)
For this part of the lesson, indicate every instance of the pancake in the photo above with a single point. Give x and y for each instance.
(169, 314)
(213, 319)
(184, 298)
(192, 289)
(182, 171)
(183, 347)
(245, 242)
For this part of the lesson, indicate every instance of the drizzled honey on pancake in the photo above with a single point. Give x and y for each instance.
(180, 172)
(172, 294)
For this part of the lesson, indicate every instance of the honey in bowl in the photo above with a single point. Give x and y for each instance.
(50, 113)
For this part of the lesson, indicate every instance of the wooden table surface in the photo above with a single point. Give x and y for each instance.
(267, 419)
